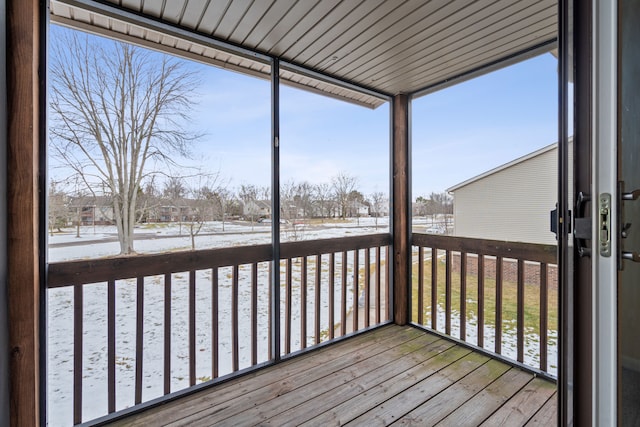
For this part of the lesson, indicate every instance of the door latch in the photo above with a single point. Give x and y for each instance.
(604, 224)
(582, 225)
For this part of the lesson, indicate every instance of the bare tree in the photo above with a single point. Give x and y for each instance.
(248, 193)
(116, 108)
(441, 205)
(378, 200)
(200, 203)
(343, 184)
(223, 201)
(58, 208)
(148, 201)
(323, 196)
(175, 192)
(290, 211)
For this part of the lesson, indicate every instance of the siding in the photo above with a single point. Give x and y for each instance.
(512, 203)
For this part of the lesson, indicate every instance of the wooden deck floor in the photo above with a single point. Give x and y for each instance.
(392, 375)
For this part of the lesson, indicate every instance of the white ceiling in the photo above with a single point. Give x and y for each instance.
(386, 46)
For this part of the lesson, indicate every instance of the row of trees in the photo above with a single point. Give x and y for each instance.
(119, 117)
(435, 205)
(193, 200)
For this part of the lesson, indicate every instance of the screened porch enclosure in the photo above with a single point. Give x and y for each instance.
(391, 327)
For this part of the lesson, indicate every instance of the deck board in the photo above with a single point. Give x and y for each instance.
(547, 415)
(389, 375)
(353, 388)
(477, 409)
(523, 405)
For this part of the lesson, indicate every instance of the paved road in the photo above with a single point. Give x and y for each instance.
(113, 237)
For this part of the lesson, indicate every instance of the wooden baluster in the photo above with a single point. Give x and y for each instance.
(317, 303)
(520, 312)
(288, 302)
(254, 314)
(343, 302)
(544, 313)
(387, 274)
(420, 285)
(167, 334)
(139, 338)
(77, 352)
(234, 318)
(270, 311)
(367, 288)
(332, 296)
(480, 300)
(303, 303)
(463, 296)
(378, 286)
(498, 343)
(214, 323)
(356, 289)
(192, 327)
(434, 288)
(111, 345)
(447, 295)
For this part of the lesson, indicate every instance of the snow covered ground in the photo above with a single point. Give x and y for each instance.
(97, 242)
(101, 241)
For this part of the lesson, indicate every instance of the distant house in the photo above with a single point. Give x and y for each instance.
(511, 202)
(91, 210)
(257, 209)
(380, 209)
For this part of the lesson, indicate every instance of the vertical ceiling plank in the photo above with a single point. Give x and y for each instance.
(193, 13)
(212, 16)
(232, 17)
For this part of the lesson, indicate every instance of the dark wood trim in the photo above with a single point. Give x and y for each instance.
(23, 151)
(515, 250)
(326, 246)
(100, 270)
(116, 268)
(576, 314)
(400, 185)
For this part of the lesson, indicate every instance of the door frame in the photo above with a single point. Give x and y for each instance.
(604, 180)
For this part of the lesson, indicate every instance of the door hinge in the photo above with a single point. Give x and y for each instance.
(625, 228)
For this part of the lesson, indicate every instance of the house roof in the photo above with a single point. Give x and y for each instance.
(88, 201)
(359, 51)
(510, 164)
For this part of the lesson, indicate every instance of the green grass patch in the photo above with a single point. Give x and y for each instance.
(509, 299)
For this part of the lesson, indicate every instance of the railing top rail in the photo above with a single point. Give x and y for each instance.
(516, 250)
(115, 268)
(327, 246)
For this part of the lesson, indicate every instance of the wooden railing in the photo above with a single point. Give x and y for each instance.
(331, 288)
(503, 274)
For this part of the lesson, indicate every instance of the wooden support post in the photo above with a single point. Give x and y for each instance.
(23, 61)
(400, 159)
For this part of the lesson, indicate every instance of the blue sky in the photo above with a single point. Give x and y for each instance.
(472, 127)
(458, 132)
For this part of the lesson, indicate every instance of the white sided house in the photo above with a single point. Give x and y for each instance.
(511, 202)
